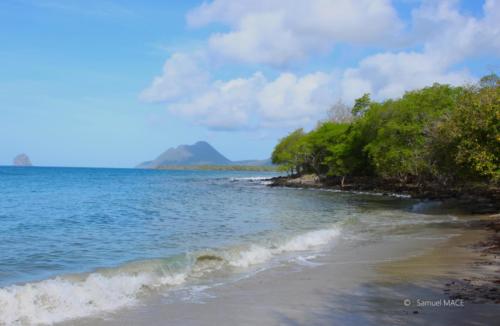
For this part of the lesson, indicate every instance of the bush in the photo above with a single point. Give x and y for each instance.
(436, 134)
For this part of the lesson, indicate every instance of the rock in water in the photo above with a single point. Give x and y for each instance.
(22, 160)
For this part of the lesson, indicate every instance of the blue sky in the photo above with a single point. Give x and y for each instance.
(113, 83)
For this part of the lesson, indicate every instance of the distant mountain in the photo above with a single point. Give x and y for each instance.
(21, 160)
(200, 153)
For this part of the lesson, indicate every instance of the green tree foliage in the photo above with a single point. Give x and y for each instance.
(361, 105)
(489, 81)
(397, 149)
(439, 133)
(465, 143)
(289, 152)
(325, 148)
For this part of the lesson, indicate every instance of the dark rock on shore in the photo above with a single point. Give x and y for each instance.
(476, 199)
(484, 285)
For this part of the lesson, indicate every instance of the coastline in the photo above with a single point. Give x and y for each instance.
(349, 285)
(352, 259)
(475, 199)
(480, 282)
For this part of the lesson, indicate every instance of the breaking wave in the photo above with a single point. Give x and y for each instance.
(59, 299)
(263, 180)
(75, 296)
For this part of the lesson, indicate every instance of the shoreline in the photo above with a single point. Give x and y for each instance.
(477, 251)
(483, 287)
(386, 250)
(349, 285)
(473, 198)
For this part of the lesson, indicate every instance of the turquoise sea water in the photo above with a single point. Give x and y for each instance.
(76, 242)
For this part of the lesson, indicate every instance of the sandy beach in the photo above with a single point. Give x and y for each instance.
(406, 280)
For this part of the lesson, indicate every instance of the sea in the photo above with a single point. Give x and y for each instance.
(80, 242)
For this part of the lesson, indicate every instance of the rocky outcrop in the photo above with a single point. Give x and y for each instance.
(474, 198)
(22, 160)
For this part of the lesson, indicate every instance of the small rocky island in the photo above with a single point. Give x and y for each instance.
(22, 160)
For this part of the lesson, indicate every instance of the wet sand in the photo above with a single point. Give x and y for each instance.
(353, 284)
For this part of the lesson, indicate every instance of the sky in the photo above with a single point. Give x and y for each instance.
(108, 83)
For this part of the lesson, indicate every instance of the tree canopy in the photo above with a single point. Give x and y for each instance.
(439, 134)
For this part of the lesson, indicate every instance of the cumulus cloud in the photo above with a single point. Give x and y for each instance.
(454, 36)
(290, 98)
(279, 32)
(255, 102)
(448, 37)
(223, 105)
(182, 74)
(388, 75)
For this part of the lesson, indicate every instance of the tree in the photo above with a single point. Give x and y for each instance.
(466, 143)
(361, 105)
(340, 113)
(398, 148)
(491, 80)
(323, 155)
(438, 133)
(288, 152)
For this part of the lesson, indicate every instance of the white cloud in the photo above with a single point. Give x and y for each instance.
(279, 32)
(256, 102)
(222, 105)
(258, 42)
(389, 75)
(453, 36)
(448, 37)
(182, 74)
(291, 98)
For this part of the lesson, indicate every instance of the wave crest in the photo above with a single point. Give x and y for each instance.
(63, 298)
(308, 241)
(59, 299)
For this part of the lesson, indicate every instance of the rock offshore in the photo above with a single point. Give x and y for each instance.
(22, 160)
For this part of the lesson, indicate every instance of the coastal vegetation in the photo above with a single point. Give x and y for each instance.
(442, 135)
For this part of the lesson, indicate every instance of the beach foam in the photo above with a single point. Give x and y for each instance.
(75, 296)
(308, 241)
(264, 180)
(311, 240)
(254, 255)
(59, 299)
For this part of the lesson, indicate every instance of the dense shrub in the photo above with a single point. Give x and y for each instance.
(436, 134)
